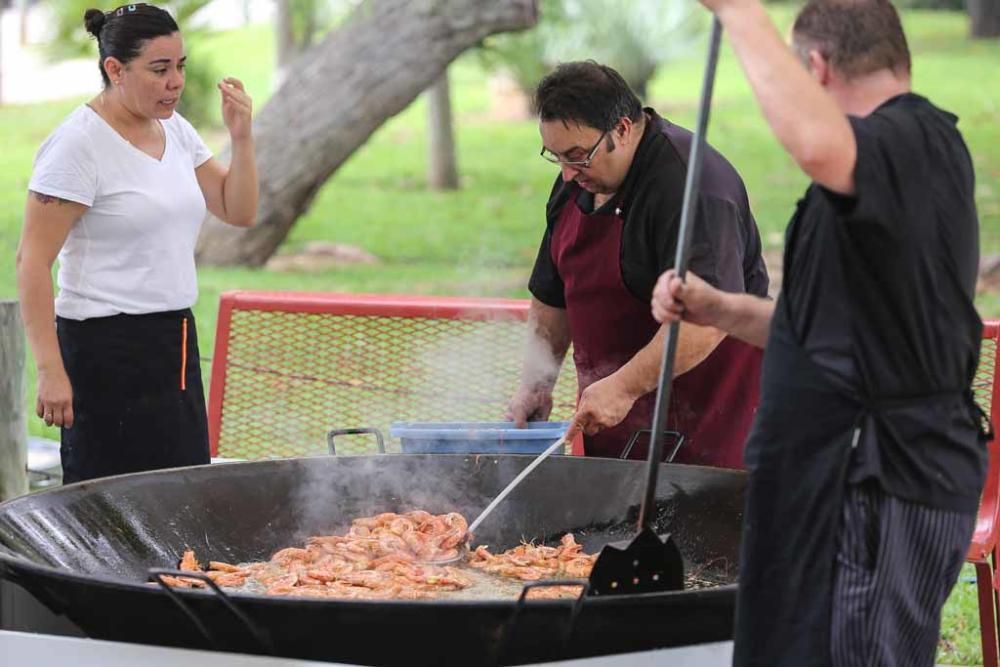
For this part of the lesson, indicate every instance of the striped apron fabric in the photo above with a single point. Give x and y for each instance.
(896, 563)
(811, 592)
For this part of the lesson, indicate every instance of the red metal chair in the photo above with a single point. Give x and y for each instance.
(983, 548)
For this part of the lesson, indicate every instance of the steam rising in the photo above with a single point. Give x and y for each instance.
(455, 377)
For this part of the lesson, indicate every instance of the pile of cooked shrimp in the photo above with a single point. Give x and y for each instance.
(530, 562)
(389, 556)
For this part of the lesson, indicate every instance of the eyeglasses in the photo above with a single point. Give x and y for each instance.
(581, 164)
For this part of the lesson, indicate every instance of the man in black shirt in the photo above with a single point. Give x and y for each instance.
(611, 229)
(867, 456)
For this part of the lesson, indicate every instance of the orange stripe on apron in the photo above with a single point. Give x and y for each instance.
(184, 353)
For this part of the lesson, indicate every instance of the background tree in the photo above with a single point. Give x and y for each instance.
(522, 55)
(634, 38)
(1, 54)
(285, 47)
(22, 29)
(71, 39)
(984, 18)
(984, 15)
(442, 167)
(200, 99)
(342, 90)
(297, 25)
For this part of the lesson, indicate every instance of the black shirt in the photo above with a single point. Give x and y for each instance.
(725, 242)
(880, 288)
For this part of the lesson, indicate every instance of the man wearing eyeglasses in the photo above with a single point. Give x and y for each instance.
(612, 222)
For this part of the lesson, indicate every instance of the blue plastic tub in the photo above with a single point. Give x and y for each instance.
(476, 437)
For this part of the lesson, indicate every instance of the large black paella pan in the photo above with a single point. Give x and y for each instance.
(85, 551)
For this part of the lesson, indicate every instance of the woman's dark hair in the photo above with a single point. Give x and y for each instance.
(122, 32)
(586, 93)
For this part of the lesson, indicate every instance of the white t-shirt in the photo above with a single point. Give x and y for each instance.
(132, 251)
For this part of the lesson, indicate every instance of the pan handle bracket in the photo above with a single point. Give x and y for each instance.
(677, 435)
(261, 636)
(574, 613)
(332, 449)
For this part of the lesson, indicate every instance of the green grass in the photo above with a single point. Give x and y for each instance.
(482, 239)
(960, 643)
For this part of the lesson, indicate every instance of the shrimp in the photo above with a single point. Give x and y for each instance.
(366, 578)
(415, 542)
(286, 556)
(182, 582)
(530, 562)
(225, 567)
(419, 517)
(189, 563)
(392, 543)
(401, 526)
(579, 567)
(456, 521)
(386, 556)
(228, 579)
(554, 592)
(384, 518)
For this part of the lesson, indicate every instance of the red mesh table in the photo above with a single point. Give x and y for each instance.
(289, 367)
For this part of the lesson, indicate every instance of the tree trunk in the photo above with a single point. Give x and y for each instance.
(984, 18)
(442, 174)
(349, 84)
(13, 420)
(285, 48)
(309, 27)
(1, 55)
(22, 32)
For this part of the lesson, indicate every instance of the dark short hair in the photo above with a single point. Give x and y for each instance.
(122, 32)
(857, 37)
(588, 94)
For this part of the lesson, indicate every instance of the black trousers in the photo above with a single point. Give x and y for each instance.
(138, 399)
(896, 563)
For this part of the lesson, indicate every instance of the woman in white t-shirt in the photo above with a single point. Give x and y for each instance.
(118, 192)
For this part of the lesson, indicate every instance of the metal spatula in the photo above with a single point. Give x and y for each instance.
(649, 563)
(555, 446)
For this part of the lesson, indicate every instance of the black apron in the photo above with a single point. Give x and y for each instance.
(798, 456)
(138, 400)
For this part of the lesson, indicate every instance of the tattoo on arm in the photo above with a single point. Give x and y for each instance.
(46, 199)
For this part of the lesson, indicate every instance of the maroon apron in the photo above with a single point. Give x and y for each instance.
(711, 405)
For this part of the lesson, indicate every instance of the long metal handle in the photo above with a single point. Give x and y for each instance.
(647, 510)
(561, 442)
